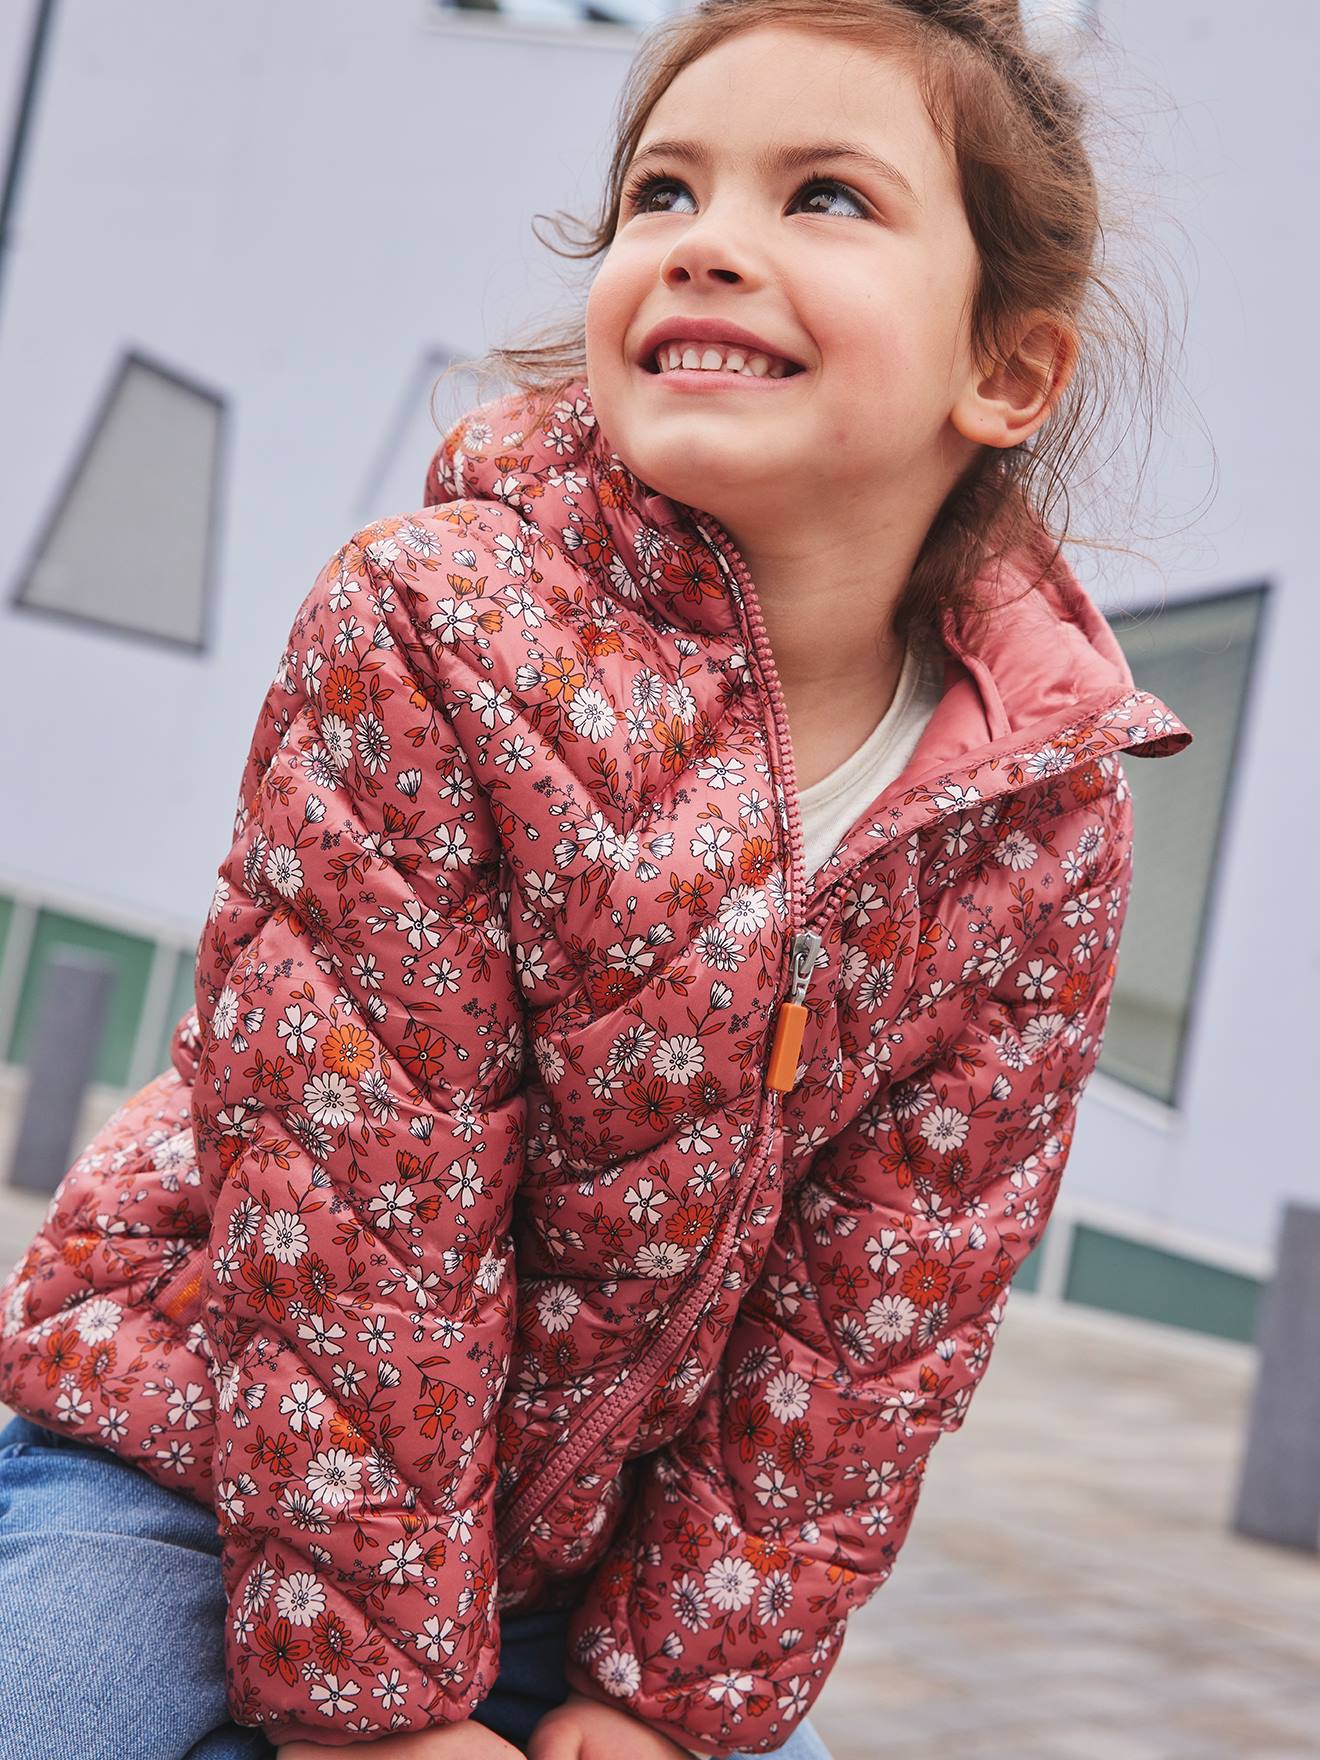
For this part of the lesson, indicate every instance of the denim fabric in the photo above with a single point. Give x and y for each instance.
(112, 1620)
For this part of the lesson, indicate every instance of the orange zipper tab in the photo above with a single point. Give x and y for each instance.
(791, 1021)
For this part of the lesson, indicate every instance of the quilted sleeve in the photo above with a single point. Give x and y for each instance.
(721, 1609)
(359, 1116)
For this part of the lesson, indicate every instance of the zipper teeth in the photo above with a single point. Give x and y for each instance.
(724, 546)
(520, 1516)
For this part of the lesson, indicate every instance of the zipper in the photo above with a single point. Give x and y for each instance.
(790, 1024)
(541, 1493)
(804, 945)
(791, 1020)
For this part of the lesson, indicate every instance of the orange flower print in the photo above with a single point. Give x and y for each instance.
(675, 743)
(347, 1051)
(438, 1410)
(59, 1353)
(925, 1281)
(597, 640)
(78, 1248)
(344, 693)
(331, 1641)
(756, 860)
(562, 676)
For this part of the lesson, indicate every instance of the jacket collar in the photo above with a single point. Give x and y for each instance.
(1043, 652)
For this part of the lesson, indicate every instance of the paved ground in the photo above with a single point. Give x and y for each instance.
(1070, 1589)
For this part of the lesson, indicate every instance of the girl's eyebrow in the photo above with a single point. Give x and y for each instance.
(789, 159)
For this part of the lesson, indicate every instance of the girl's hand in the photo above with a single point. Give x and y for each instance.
(446, 1741)
(586, 1729)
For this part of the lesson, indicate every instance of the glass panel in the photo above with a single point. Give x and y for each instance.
(129, 543)
(1197, 658)
(132, 955)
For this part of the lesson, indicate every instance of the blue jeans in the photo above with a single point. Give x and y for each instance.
(112, 1620)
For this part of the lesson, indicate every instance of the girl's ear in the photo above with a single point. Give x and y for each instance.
(1005, 406)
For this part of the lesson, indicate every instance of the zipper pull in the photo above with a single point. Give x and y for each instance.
(791, 1022)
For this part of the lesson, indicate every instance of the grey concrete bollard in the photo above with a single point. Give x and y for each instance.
(61, 1062)
(1279, 1491)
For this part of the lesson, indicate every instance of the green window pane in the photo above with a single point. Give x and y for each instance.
(1151, 1283)
(181, 1000)
(131, 955)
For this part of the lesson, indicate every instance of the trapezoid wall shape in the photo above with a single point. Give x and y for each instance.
(128, 545)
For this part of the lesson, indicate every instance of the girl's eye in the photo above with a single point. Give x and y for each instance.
(640, 191)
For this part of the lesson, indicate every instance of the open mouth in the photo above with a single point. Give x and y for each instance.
(744, 363)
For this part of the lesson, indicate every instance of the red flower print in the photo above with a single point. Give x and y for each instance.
(59, 1353)
(926, 1280)
(344, 693)
(268, 1289)
(279, 1651)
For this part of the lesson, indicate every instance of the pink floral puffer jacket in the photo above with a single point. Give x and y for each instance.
(555, 1199)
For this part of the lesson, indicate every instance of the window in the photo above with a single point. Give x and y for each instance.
(1197, 657)
(128, 545)
(638, 14)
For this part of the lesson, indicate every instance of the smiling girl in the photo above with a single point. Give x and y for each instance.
(671, 920)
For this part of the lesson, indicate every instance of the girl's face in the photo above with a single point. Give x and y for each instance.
(828, 259)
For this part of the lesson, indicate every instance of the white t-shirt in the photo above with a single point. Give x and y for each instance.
(832, 806)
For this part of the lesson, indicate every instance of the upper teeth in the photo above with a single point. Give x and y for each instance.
(714, 358)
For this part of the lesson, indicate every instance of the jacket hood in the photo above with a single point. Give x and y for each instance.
(1042, 651)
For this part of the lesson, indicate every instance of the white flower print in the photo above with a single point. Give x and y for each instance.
(644, 1201)
(730, 1583)
(788, 1396)
(300, 1598)
(945, 1128)
(661, 1259)
(437, 1638)
(393, 1206)
(558, 1306)
(1035, 983)
(224, 1014)
(332, 1697)
(1016, 851)
(334, 1477)
(730, 1689)
(337, 736)
(618, 1672)
(98, 1320)
(373, 744)
(188, 1405)
(591, 715)
(402, 1561)
(301, 1405)
(330, 1100)
(296, 1031)
(284, 1236)
(680, 1059)
(891, 1317)
(284, 870)
(689, 1603)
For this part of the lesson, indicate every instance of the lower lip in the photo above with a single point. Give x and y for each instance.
(706, 379)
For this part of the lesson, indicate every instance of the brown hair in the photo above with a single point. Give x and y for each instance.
(1015, 126)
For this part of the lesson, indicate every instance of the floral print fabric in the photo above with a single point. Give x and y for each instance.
(464, 1259)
